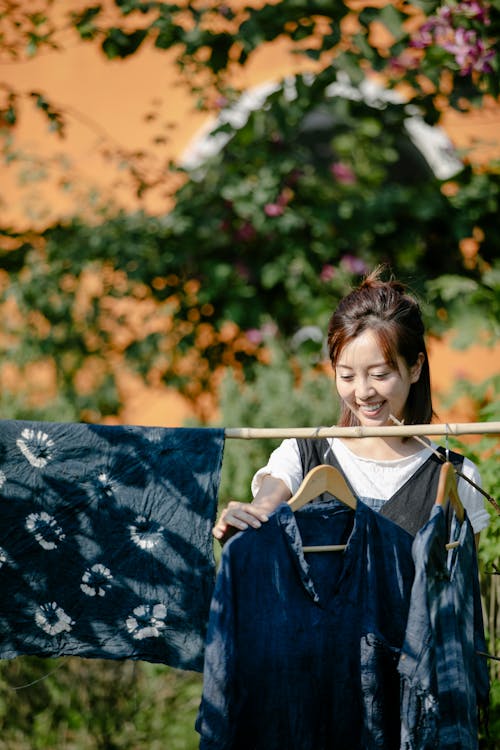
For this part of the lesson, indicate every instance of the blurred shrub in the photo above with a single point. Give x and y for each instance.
(285, 393)
(86, 704)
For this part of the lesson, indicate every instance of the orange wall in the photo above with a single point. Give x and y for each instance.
(136, 104)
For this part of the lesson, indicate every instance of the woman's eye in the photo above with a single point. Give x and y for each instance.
(346, 377)
(380, 375)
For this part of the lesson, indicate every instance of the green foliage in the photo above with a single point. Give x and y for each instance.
(479, 318)
(20, 406)
(287, 392)
(81, 704)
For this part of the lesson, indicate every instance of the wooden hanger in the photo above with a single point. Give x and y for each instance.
(323, 478)
(447, 491)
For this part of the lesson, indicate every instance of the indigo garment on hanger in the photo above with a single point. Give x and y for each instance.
(302, 649)
(444, 680)
(105, 540)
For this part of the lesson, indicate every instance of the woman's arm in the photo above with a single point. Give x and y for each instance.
(239, 516)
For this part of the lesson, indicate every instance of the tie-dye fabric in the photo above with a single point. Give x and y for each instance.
(105, 540)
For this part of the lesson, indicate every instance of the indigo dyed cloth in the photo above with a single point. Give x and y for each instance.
(302, 648)
(105, 540)
(444, 680)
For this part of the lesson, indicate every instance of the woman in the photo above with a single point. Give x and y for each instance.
(378, 354)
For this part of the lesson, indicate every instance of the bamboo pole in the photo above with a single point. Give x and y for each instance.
(470, 428)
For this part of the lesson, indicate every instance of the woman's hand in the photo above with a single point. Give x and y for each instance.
(240, 516)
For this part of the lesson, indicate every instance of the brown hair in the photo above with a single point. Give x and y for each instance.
(385, 308)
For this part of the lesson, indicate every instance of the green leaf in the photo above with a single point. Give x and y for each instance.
(393, 21)
(450, 287)
(85, 22)
(120, 44)
(219, 56)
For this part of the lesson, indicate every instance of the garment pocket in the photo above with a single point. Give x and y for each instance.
(380, 693)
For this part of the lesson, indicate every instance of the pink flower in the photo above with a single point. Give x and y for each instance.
(444, 14)
(221, 101)
(469, 52)
(449, 30)
(327, 272)
(483, 58)
(405, 61)
(273, 209)
(476, 10)
(254, 335)
(343, 173)
(246, 232)
(433, 31)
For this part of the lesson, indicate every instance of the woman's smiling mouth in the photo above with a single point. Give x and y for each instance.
(371, 408)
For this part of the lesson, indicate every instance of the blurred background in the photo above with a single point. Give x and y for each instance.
(187, 191)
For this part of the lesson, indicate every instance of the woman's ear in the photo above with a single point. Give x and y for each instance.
(416, 369)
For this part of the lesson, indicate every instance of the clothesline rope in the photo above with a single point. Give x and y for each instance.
(468, 428)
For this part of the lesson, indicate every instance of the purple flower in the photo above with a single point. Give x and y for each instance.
(354, 265)
(343, 173)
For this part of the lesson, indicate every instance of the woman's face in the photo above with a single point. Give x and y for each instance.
(370, 387)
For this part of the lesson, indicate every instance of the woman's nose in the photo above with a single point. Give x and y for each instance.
(364, 390)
